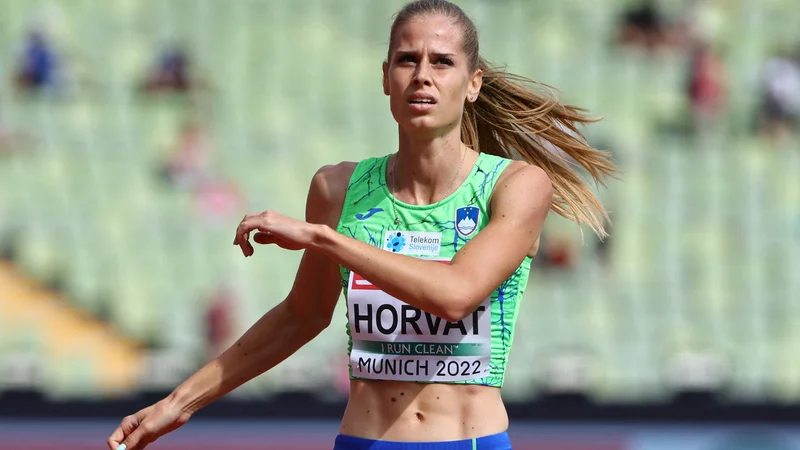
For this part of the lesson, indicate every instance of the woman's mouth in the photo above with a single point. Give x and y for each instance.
(422, 102)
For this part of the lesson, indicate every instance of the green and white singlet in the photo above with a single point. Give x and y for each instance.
(391, 340)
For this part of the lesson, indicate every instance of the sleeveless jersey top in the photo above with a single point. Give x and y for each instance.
(391, 340)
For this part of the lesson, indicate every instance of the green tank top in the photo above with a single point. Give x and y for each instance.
(391, 340)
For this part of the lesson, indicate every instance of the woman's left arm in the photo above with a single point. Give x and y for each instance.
(519, 206)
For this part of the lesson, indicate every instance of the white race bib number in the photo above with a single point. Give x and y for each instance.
(395, 341)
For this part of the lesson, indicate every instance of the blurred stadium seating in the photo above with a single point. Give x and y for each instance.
(699, 289)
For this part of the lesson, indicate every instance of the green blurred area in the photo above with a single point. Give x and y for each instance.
(702, 263)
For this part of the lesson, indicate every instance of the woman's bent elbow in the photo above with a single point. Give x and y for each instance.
(460, 308)
(453, 316)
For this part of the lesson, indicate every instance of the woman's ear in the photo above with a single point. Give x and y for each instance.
(475, 85)
(386, 78)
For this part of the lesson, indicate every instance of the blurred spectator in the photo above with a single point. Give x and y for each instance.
(706, 86)
(37, 65)
(641, 27)
(171, 73)
(780, 96)
(5, 141)
(220, 321)
(188, 167)
(190, 160)
(644, 26)
(558, 252)
(217, 201)
(12, 140)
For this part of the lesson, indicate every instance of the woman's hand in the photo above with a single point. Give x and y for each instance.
(275, 228)
(141, 429)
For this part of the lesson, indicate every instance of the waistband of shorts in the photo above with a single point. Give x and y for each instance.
(498, 441)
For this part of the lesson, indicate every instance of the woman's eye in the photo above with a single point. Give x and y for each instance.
(446, 61)
(405, 58)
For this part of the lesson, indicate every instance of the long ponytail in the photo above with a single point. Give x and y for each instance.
(512, 120)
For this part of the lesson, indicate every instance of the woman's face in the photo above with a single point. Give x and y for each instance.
(428, 76)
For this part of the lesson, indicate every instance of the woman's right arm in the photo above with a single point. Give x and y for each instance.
(305, 312)
(277, 335)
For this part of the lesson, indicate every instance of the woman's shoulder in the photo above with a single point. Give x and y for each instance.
(338, 176)
(522, 179)
(330, 181)
(505, 168)
(336, 172)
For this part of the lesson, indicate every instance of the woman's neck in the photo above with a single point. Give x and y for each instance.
(425, 171)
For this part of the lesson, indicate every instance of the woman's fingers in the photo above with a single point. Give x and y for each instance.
(241, 230)
(264, 224)
(264, 238)
(250, 223)
(128, 426)
(116, 438)
(242, 238)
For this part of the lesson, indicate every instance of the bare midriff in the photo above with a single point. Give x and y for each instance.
(416, 412)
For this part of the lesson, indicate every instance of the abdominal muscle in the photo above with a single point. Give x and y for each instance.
(417, 412)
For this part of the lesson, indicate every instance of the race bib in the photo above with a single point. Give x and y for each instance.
(396, 341)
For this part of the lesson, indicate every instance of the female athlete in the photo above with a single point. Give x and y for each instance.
(432, 245)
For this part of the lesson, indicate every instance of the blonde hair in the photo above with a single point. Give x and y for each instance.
(513, 120)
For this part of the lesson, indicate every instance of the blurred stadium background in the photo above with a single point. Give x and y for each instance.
(134, 134)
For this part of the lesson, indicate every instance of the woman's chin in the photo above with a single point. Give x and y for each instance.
(424, 125)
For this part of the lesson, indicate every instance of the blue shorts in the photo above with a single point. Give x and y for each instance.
(498, 441)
